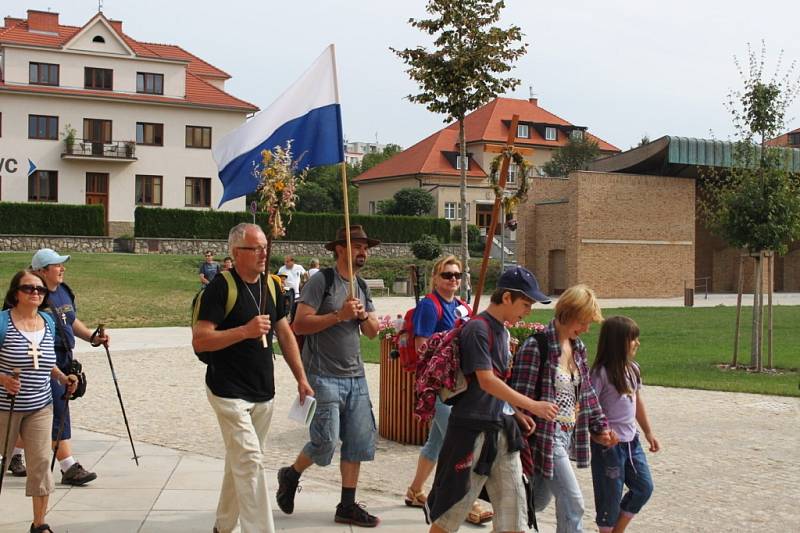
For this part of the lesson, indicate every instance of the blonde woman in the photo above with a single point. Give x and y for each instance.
(562, 375)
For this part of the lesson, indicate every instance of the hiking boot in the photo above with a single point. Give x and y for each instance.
(77, 476)
(17, 466)
(356, 515)
(288, 485)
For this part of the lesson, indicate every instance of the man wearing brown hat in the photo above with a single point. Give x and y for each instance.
(332, 320)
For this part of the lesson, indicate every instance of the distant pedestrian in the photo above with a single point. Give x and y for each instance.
(208, 269)
(294, 272)
(618, 382)
(313, 266)
(227, 264)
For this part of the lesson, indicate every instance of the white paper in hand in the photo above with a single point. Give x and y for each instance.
(303, 413)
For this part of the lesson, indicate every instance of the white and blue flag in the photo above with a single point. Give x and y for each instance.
(308, 114)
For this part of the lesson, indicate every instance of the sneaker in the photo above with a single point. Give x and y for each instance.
(356, 515)
(288, 485)
(77, 475)
(44, 528)
(17, 466)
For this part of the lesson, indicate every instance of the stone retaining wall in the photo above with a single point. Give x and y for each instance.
(31, 243)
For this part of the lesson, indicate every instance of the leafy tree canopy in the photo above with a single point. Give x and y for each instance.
(575, 155)
(408, 201)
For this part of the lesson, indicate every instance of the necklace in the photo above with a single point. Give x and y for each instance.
(258, 304)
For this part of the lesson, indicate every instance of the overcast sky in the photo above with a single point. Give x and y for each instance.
(623, 68)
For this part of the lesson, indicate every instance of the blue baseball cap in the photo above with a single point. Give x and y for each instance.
(46, 257)
(522, 280)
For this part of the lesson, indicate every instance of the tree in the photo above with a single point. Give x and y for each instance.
(461, 73)
(330, 179)
(372, 159)
(313, 198)
(575, 155)
(408, 201)
(755, 204)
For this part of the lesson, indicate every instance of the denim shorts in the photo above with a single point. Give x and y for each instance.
(613, 469)
(436, 434)
(344, 413)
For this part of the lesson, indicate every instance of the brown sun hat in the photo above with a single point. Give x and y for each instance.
(356, 232)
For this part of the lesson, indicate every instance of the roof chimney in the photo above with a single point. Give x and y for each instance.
(9, 21)
(534, 101)
(42, 21)
(117, 25)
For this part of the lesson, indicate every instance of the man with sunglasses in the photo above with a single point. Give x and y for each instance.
(240, 381)
(208, 269)
(60, 303)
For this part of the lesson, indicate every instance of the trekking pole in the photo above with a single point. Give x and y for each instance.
(101, 332)
(61, 425)
(13, 398)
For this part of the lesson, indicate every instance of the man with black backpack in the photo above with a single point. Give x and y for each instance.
(235, 339)
(60, 303)
(332, 313)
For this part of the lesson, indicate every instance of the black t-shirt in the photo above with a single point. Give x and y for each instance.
(243, 370)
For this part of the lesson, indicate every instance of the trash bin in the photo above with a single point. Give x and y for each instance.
(400, 287)
(688, 297)
(396, 420)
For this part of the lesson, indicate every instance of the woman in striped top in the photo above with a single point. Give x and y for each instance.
(27, 346)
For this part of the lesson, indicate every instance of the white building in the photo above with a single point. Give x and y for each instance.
(355, 151)
(143, 117)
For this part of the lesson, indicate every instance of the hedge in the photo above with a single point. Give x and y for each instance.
(51, 219)
(192, 224)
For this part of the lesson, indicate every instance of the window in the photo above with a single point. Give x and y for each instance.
(576, 135)
(458, 162)
(42, 127)
(98, 78)
(43, 186)
(149, 83)
(149, 133)
(512, 174)
(98, 39)
(452, 210)
(550, 134)
(43, 73)
(523, 131)
(148, 190)
(198, 192)
(198, 137)
(794, 139)
(97, 130)
(371, 207)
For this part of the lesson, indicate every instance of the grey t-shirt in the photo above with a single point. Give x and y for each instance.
(476, 354)
(335, 351)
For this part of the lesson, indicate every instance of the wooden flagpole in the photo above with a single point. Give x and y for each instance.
(501, 183)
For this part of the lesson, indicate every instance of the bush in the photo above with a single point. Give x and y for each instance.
(191, 224)
(427, 247)
(51, 219)
(473, 233)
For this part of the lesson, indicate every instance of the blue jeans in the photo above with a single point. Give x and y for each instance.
(564, 487)
(614, 468)
(344, 412)
(436, 434)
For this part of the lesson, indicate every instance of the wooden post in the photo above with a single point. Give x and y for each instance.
(770, 285)
(501, 183)
(346, 202)
(738, 311)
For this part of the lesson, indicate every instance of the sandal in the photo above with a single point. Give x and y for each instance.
(44, 528)
(415, 499)
(478, 515)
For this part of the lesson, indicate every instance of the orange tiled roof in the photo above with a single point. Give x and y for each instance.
(198, 91)
(782, 140)
(488, 123)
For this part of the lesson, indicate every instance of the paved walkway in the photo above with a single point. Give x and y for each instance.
(730, 461)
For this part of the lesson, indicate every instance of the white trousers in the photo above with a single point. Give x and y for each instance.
(244, 496)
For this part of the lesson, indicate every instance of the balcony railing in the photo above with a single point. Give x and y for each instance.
(81, 148)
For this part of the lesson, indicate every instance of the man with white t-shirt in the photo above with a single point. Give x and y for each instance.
(294, 272)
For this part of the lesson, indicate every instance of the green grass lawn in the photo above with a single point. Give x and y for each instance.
(680, 346)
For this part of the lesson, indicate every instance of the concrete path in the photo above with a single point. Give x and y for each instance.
(730, 462)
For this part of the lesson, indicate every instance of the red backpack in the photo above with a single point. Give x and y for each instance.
(405, 337)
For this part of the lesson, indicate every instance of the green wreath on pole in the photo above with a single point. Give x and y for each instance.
(510, 202)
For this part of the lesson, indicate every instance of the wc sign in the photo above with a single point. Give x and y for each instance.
(9, 165)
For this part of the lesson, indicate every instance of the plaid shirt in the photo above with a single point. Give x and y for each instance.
(590, 417)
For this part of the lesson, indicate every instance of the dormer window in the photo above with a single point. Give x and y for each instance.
(98, 39)
(459, 163)
(576, 135)
(523, 131)
(550, 134)
(98, 78)
(149, 83)
(794, 139)
(43, 73)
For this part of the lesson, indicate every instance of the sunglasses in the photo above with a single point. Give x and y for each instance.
(255, 249)
(451, 275)
(30, 289)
